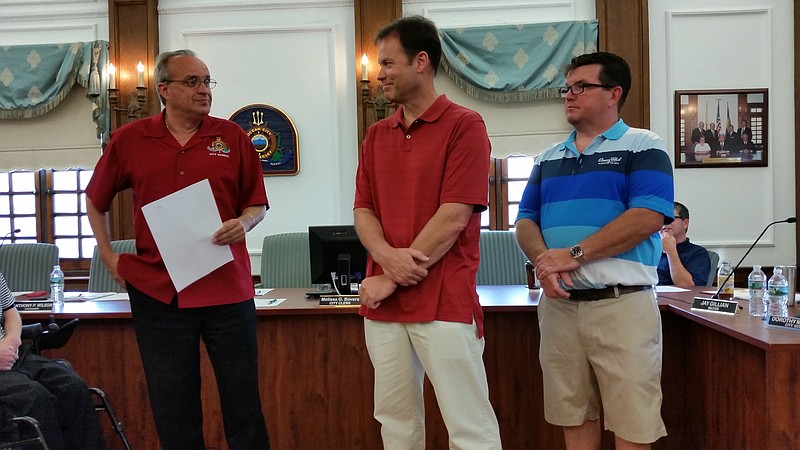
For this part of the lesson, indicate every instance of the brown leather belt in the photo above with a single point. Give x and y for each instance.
(584, 295)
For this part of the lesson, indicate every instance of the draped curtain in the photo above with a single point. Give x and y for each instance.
(36, 78)
(515, 63)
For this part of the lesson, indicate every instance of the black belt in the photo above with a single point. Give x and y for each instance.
(583, 295)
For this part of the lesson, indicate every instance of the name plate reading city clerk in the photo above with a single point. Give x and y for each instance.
(785, 323)
(715, 305)
(339, 300)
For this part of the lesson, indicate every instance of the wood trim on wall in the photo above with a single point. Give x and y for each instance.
(624, 30)
(796, 125)
(133, 37)
(370, 17)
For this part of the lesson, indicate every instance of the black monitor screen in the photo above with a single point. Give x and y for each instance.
(336, 249)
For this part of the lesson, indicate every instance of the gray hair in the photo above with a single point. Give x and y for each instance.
(161, 73)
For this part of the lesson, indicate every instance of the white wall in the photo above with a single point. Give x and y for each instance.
(730, 44)
(300, 58)
(514, 128)
(68, 129)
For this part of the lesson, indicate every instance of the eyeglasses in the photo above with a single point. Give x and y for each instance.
(678, 218)
(193, 82)
(578, 88)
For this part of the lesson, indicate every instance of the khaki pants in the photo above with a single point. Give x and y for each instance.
(452, 355)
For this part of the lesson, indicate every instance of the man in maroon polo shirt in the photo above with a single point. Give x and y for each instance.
(155, 157)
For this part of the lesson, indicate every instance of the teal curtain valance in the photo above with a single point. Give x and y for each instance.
(515, 63)
(34, 79)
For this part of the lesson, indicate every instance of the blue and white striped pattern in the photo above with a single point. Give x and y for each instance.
(572, 195)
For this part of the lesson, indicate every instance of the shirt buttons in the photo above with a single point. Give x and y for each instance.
(408, 136)
(180, 173)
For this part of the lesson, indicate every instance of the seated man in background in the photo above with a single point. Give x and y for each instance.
(682, 264)
(48, 391)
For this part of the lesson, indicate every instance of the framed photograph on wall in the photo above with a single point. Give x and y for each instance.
(721, 128)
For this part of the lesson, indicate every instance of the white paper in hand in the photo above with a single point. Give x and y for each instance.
(182, 224)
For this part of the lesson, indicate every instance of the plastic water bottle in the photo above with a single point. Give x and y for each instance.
(57, 286)
(726, 292)
(778, 294)
(757, 283)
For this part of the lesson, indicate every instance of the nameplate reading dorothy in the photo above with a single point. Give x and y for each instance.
(715, 305)
(339, 300)
(785, 323)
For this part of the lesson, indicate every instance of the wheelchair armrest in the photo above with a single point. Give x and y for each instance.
(57, 337)
(31, 331)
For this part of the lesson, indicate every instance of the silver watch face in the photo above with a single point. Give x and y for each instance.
(576, 251)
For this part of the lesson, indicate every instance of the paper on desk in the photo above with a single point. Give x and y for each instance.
(268, 302)
(262, 291)
(182, 224)
(113, 297)
(670, 289)
(85, 295)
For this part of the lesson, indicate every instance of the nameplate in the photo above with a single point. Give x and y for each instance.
(715, 305)
(339, 300)
(785, 323)
(26, 305)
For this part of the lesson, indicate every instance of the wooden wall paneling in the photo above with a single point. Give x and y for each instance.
(370, 17)
(796, 124)
(624, 30)
(133, 37)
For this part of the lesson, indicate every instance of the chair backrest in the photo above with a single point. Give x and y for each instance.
(502, 262)
(712, 274)
(99, 278)
(27, 266)
(284, 261)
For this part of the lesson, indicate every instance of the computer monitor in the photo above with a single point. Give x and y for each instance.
(336, 249)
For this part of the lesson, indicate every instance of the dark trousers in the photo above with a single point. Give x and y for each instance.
(55, 395)
(169, 344)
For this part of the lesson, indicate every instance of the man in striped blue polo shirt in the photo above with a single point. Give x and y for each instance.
(590, 218)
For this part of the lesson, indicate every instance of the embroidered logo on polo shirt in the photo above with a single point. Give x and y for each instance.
(615, 160)
(218, 148)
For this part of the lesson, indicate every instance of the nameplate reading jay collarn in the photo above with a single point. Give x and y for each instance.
(715, 306)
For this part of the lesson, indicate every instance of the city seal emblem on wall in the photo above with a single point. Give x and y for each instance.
(273, 135)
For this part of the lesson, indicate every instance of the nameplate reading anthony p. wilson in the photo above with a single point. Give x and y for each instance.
(339, 300)
(715, 306)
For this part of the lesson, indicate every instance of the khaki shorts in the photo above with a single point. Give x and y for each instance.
(609, 349)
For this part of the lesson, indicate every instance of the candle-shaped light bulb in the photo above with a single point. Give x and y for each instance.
(140, 69)
(364, 63)
(112, 76)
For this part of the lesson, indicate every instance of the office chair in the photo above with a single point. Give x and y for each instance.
(502, 262)
(55, 337)
(27, 267)
(99, 278)
(712, 274)
(285, 261)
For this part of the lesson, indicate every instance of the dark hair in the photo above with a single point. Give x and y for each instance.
(161, 72)
(614, 71)
(681, 209)
(416, 34)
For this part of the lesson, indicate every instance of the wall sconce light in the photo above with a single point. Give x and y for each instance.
(137, 100)
(378, 101)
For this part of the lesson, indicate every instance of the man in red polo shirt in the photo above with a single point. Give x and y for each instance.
(422, 183)
(155, 157)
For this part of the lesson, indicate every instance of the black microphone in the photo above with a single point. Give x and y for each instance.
(9, 234)
(721, 285)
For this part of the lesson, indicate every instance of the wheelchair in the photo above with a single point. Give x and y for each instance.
(24, 432)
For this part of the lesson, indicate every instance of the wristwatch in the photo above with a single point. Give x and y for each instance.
(576, 251)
